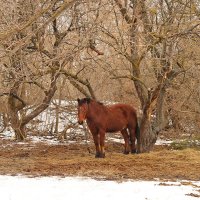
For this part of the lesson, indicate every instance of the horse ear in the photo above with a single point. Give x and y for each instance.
(88, 100)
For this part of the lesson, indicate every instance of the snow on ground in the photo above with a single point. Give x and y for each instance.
(51, 140)
(55, 188)
(158, 142)
(45, 123)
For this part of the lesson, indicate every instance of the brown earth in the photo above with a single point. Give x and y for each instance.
(41, 159)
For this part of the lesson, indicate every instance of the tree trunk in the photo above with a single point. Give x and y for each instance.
(147, 135)
(58, 105)
(161, 120)
(15, 122)
(15, 104)
(143, 42)
(20, 133)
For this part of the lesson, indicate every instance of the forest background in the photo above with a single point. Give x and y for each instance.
(143, 53)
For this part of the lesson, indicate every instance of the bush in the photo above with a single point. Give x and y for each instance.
(186, 143)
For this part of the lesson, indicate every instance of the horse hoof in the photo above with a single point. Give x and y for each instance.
(134, 151)
(97, 155)
(100, 155)
(126, 152)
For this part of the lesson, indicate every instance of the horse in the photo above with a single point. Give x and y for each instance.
(101, 119)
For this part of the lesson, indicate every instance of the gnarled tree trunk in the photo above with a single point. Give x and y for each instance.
(18, 123)
(150, 98)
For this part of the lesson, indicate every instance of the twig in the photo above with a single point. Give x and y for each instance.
(14, 95)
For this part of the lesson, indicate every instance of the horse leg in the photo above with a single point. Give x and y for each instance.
(132, 139)
(126, 140)
(96, 142)
(102, 144)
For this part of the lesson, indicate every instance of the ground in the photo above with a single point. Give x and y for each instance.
(64, 159)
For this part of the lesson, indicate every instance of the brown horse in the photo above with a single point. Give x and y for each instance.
(101, 119)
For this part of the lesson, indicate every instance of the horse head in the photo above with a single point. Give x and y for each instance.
(83, 105)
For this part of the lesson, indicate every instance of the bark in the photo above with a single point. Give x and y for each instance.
(147, 137)
(147, 134)
(15, 104)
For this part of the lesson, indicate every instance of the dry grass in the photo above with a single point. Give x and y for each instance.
(74, 160)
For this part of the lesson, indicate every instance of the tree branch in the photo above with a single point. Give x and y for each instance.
(123, 11)
(49, 94)
(83, 82)
(13, 95)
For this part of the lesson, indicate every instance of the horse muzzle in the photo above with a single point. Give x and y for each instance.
(80, 122)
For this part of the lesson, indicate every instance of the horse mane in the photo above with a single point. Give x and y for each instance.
(88, 101)
(83, 101)
(100, 103)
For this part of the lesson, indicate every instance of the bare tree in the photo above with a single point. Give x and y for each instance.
(155, 32)
(141, 52)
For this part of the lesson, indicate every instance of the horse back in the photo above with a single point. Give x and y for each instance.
(120, 116)
(123, 109)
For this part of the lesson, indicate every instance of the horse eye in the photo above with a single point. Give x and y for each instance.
(82, 109)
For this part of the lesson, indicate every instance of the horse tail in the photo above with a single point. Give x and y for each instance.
(137, 132)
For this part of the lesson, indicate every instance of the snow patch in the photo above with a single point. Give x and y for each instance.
(55, 188)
